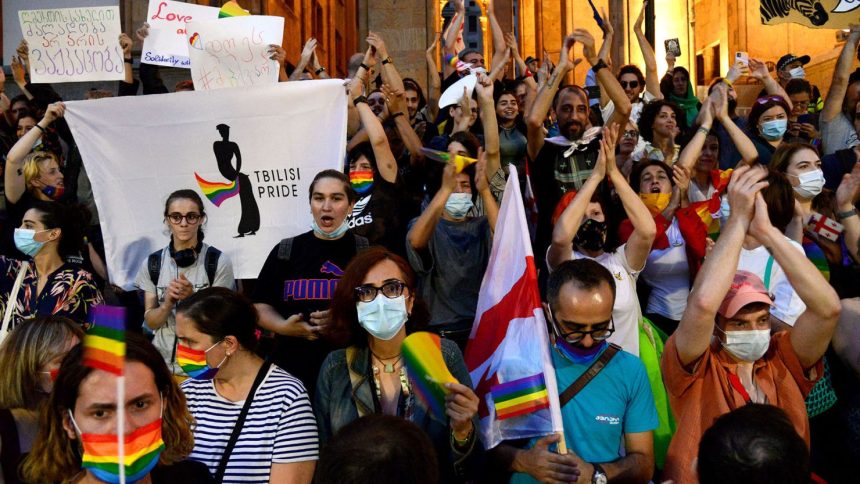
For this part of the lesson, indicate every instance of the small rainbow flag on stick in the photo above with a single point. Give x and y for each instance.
(422, 353)
(519, 397)
(459, 161)
(232, 9)
(104, 343)
(217, 192)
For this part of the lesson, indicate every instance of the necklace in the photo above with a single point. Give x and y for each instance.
(387, 367)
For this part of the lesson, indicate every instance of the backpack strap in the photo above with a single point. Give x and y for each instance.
(592, 371)
(154, 264)
(285, 248)
(355, 380)
(361, 243)
(211, 263)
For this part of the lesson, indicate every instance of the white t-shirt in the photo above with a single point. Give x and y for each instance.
(280, 427)
(668, 273)
(787, 304)
(165, 336)
(626, 311)
(635, 108)
(696, 194)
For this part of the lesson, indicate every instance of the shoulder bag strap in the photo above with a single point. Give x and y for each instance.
(12, 300)
(589, 374)
(354, 380)
(237, 429)
(154, 267)
(210, 261)
(285, 248)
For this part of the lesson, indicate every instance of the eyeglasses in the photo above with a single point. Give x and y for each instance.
(802, 105)
(176, 218)
(599, 334)
(630, 84)
(630, 134)
(390, 289)
(767, 99)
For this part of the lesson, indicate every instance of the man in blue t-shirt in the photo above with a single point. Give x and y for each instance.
(607, 425)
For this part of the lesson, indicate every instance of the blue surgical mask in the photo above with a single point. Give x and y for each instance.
(335, 234)
(383, 317)
(774, 129)
(25, 242)
(458, 204)
(797, 73)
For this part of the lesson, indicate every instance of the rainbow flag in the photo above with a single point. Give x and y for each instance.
(422, 353)
(142, 449)
(460, 162)
(104, 343)
(218, 192)
(193, 362)
(816, 256)
(519, 397)
(232, 9)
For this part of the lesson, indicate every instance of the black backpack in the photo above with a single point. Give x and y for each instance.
(210, 262)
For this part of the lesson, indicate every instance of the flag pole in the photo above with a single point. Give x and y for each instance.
(120, 434)
(562, 447)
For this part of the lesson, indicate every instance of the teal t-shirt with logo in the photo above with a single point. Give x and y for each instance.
(617, 401)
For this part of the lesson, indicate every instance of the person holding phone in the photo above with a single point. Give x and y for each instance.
(802, 126)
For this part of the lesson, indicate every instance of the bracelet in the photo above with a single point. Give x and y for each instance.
(703, 130)
(364, 66)
(727, 81)
(394, 116)
(317, 72)
(599, 65)
(358, 100)
(464, 442)
(841, 215)
(387, 60)
(41, 129)
(130, 60)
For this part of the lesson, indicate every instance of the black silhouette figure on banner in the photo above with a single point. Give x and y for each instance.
(225, 150)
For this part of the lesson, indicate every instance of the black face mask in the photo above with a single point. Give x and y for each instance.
(185, 257)
(591, 235)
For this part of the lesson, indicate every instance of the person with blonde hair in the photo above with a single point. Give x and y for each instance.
(82, 410)
(29, 359)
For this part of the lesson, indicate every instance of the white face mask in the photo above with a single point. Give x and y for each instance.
(458, 204)
(797, 73)
(383, 317)
(749, 345)
(811, 183)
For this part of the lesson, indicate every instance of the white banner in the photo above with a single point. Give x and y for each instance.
(250, 153)
(167, 44)
(73, 44)
(232, 52)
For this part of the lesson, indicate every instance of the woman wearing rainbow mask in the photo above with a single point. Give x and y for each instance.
(77, 441)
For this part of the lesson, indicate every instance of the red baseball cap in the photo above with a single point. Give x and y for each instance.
(746, 288)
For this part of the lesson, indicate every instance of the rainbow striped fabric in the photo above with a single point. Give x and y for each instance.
(217, 192)
(104, 343)
(519, 397)
(193, 362)
(142, 449)
(232, 9)
(422, 353)
(361, 181)
(459, 161)
(816, 256)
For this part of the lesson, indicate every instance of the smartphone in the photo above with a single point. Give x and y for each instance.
(743, 57)
(673, 46)
(805, 118)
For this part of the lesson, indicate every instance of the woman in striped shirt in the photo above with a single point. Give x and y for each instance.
(277, 440)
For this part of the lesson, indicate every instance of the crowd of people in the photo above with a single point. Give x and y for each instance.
(699, 270)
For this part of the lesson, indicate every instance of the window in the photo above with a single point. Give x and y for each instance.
(715, 61)
(700, 69)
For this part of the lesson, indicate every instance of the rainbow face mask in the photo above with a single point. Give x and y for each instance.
(656, 202)
(361, 181)
(193, 362)
(101, 453)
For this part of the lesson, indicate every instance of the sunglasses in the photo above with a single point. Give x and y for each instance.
(630, 134)
(629, 84)
(767, 99)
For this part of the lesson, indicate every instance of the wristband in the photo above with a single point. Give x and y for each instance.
(358, 100)
(41, 129)
(394, 116)
(130, 60)
(317, 72)
(841, 215)
(703, 130)
(387, 60)
(727, 81)
(599, 65)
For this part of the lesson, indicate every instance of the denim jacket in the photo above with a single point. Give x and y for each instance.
(336, 399)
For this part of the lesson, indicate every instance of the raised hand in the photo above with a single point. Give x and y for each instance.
(849, 188)
(432, 48)
(607, 147)
(670, 60)
(637, 27)
(125, 43)
(482, 181)
(54, 111)
(23, 51)
(720, 102)
(143, 32)
(566, 60)
(396, 100)
(587, 40)
(19, 74)
(375, 40)
(308, 49)
(277, 53)
(758, 70)
(746, 182)
(484, 87)
(681, 177)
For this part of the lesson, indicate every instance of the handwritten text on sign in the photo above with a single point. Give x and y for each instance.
(167, 44)
(73, 44)
(231, 52)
